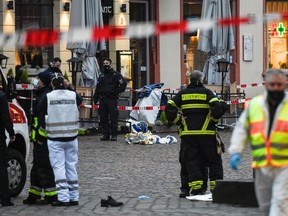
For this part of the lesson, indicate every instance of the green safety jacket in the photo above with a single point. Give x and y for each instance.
(195, 110)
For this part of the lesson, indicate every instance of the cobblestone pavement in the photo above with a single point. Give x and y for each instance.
(128, 171)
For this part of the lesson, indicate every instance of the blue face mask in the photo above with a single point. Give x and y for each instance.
(36, 83)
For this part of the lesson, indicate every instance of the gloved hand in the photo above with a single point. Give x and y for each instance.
(235, 160)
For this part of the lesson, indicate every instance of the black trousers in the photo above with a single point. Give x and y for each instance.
(197, 153)
(5, 196)
(42, 175)
(109, 115)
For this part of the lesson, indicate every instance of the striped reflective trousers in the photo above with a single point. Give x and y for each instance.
(64, 158)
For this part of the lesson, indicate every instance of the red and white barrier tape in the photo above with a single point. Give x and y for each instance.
(25, 87)
(48, 37)
(25, 98)
(250, 85)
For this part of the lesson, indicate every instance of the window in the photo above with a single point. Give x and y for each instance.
(276, 33)
(193, 58)
(34, 14)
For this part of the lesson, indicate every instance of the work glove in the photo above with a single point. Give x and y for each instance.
(235, 160)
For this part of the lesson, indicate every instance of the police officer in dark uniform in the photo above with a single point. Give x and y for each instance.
(110, 84)
(196, 110)
(42, 176)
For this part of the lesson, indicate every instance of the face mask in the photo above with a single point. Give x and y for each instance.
(106, 68)
(36, 83)
(276, 96)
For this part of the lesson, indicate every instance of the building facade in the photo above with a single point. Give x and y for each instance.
(164, 58)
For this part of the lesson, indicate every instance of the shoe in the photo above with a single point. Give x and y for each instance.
(197, 192)
(74, 203)
(30, 200)
(184, 193)
(110, 202)
(59, 203)
(7, 203)
(104, 138)
(113, 138)
(42, 202)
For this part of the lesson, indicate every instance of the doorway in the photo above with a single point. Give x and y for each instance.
(139, 47)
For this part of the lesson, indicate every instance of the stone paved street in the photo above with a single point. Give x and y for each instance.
(128, 171)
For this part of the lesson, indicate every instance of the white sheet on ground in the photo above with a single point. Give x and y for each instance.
(205, 197)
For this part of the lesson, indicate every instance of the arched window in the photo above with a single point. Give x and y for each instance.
(34, 14)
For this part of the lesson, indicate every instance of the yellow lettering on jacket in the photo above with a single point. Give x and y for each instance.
(194, 97)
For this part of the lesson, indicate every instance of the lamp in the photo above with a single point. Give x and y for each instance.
(75, 65)
(10, 5)
(123, 8)
(222, 68)
(66, 6)
(3, 61)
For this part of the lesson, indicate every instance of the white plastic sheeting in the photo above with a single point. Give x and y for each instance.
(148, 116)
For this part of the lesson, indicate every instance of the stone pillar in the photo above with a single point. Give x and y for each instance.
(61, 22)
(7, 25)
(170, 45)
(120, 19)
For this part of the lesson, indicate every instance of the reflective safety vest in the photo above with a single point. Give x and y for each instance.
(63, 114)
(272, 150)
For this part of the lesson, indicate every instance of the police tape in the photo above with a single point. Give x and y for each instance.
(252, 85)
(25, 98)
(49, 37)
(131, 108)
(25, 87)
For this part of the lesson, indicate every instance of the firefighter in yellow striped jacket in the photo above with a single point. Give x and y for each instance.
(196, 110)
(264, 124)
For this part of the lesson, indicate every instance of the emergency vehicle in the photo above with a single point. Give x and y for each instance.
(18, 150)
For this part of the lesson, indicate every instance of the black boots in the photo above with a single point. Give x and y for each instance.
(184, 193)
(113, 138)
(30, 200)
(110, 202)
(59, 203)
(6, 203)
(105, 137)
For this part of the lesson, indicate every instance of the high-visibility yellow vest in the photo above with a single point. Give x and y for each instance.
(272, 150)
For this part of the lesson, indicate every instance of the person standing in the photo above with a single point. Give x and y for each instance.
(5, 124)
(264, 124)
(196, 110)
(62, 115)
(42, 176)
(110, 84)
(54, 66)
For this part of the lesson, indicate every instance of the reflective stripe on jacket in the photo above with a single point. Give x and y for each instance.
(62, 114)
(190, 110)
(272, 150)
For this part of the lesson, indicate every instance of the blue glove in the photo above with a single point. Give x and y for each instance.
(235, 160)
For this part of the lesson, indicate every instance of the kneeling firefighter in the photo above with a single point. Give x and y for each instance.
(196, 110)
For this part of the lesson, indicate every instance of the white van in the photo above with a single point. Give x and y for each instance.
(18, 150)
